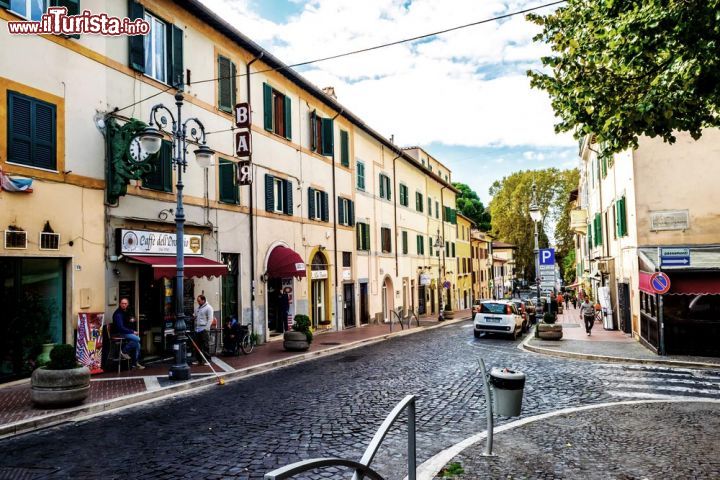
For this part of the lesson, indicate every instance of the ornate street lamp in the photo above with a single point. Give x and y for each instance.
(439, 246)
(151, 141)
(536, 216)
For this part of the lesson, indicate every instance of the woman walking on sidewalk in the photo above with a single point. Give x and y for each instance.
(587, 313)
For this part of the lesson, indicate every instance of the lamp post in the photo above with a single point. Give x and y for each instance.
(439, 245)
(536, 215)
(151, 141)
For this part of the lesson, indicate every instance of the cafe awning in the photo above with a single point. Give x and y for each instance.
(193, 266)
(285, 262)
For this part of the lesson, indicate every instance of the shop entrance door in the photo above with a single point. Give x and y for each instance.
(624, 307)
(275, 325)
(348, 305)
(318, 297)
(364, 314)
(421, 300)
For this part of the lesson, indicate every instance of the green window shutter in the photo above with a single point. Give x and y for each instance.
(618, 228)
(447, 249)
(344, 149)
(224, 84)
(404, 242)
(227, 182)
(361, 175)
(388, 189)
(288, 118)
(325, 215)
(160, 176)
(328, 140)
(429, 206)
(268, 107)
(288, 197)
(136, 42)
(418, 244)
(358, 236)
(269, 194)
(453, 250)
(311, 202)
(341, 210)
(351, 212)
(604, 167)
(430, 246)
(382, 186)
(176, 70)
(313, 130)
(4, 3)
(73, 6)
(233, 84)
(623, 217)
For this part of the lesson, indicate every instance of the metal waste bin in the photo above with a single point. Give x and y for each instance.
(508, 386)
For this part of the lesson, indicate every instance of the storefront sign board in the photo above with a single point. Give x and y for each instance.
(144, 242)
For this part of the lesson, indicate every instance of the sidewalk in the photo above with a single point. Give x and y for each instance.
(605, 345)
(111, 390)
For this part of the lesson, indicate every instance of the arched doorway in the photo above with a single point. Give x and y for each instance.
(388, 299)
(318, 291)
(282, 265)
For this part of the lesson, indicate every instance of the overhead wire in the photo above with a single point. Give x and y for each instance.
(363, 50)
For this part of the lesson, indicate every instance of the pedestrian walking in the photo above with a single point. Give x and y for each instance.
(587, 313)
(567, 300)
(574, 300)
(203, 321)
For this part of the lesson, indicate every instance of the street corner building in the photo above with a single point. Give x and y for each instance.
(304, 210)
(648, 240)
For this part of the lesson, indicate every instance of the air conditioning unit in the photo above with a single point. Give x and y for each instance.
(15, 240)
(49, 241)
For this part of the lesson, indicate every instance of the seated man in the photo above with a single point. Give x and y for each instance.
(231, 336)
(131, 347)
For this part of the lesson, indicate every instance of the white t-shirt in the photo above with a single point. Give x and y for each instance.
(203, 317)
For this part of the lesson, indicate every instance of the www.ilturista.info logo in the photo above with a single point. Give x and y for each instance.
(56, 21)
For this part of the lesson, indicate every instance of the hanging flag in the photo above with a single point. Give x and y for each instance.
(15, 184)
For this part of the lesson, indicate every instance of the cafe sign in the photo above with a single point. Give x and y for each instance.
(143, 242)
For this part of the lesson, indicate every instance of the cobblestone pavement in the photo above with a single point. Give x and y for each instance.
(647, 441)
(330, 407)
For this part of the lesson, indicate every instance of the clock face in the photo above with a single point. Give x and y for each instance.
(137, 154)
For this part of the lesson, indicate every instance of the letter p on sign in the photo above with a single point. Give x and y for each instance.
(547, 256)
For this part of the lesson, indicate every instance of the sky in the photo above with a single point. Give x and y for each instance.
(463, 96)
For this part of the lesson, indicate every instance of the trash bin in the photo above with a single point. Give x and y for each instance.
(508, 386)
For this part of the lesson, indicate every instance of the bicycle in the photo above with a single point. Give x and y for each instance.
(246, 344)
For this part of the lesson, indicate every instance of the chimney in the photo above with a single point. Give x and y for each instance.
(330, 92)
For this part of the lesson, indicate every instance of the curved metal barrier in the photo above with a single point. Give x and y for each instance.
(362, 468)
(396, 312)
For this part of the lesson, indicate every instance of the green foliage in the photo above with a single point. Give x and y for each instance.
(510, 211)
(564, 236)
(568, 267)
(451, 469)
(448, 307)
(468, 203)
(302, 324)
(548, 317)
(62, 357)
(623, 69)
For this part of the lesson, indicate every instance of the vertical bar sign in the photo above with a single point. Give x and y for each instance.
(242, 115)
(242, 121)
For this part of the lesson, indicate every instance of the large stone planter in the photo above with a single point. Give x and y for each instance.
(59, 388)
(295, 341)
(547, 331)
(448, 314)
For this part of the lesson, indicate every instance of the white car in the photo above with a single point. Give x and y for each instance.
(498, 316)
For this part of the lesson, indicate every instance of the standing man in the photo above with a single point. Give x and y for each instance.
(587, 313)
(203, 322)
(121, 321)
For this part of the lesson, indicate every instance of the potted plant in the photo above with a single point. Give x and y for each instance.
(448, 314)
(44, 357)
(301, 336)
(62, 382)
(548, 329)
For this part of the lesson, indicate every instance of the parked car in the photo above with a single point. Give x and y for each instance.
(498, 316)
(520, 305)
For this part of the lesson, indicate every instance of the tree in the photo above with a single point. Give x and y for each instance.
(624, 69)
(564, 236)
(468, 203)
(509, 209)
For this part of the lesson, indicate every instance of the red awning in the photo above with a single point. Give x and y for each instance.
(695, 283)
(285, 262)
(644, 283)
(194, 266)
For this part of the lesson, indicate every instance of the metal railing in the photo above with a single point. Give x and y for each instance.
(411, 314)
(362, 468)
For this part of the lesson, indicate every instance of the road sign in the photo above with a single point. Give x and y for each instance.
(242, 144)
(244, 173)
(674, 257)
(242, 115)
(547, 278)
(547, 256)
(660, 283)
(547, 268)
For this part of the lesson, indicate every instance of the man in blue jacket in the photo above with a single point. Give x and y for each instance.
(121, 320)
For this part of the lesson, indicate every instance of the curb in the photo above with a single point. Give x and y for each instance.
(525, 345)
(432, 466)
(83, 411)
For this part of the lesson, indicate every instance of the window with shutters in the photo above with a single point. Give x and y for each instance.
(404, 235)
(385, 188)
(419, 202)
(322, 135)
(227, 74)
(621, 217)
(30, 9)
(604, 167)
(346, 214)
(160, 176)
(437, 209)
(31, 132)
(156, 49)
(159, 54)
(227, 172)
(429, 206)
(278, 195)
(360, 175)
(344, 148)
(452, 251)
(316, 204)
(385, 240)
(420, 245)
(277, 114)
(403, 194)
(363, 236)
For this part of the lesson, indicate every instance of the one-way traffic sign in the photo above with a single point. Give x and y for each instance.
(674, 257)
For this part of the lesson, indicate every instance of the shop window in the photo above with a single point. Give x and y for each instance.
(160, 176)
(32, 131)
(277, 112)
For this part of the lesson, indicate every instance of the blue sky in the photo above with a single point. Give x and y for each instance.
(463, 96)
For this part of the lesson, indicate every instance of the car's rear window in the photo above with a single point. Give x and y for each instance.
(496, 308)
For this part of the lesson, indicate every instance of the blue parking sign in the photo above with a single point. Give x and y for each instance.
(547, 256)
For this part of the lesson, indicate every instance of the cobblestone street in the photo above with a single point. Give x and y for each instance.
(332, 407)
